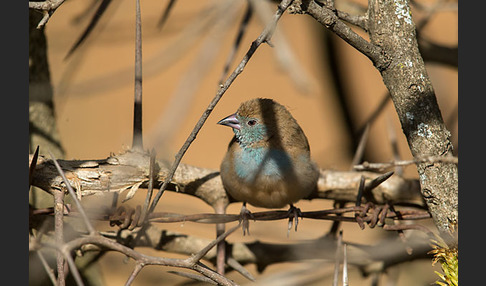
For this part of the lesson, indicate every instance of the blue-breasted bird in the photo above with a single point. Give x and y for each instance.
(268, 161)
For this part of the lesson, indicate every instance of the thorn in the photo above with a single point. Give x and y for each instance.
(238, 267)
(33, 163)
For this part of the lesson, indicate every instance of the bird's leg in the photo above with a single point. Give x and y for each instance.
(294, 214)
(245, 214)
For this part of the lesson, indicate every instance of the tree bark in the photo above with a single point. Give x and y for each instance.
(393, 50)
(391, 28)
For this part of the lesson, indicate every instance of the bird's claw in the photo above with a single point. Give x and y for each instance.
(245, 215)
(294, 214)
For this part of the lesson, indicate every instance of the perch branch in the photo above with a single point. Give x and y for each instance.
(122, 172)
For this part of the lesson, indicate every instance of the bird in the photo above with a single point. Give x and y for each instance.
(268, 162)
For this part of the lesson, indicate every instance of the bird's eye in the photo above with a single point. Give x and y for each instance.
(251, 122)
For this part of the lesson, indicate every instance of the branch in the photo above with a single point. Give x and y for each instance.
(265, 254)
(130, 171)
(141, 259)
(357, 20)
(426, 159)
(47, 8)
(369, 258)
(328, 18)
(393, 49)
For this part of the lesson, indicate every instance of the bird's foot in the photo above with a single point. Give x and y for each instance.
(294, 214)
(245, 215)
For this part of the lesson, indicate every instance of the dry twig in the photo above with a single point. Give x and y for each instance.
(47, 7)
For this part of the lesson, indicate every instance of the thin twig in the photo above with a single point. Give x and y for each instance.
(138, 267)
(357, 20)
(425, 159)
(193, 277)
(59, 234)
(137, 142)
(264, 36)
(195, 258)
(47, 268)
(137, 256)
(74, 269)
(233, 263)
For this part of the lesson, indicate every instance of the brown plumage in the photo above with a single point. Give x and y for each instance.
(268, 160)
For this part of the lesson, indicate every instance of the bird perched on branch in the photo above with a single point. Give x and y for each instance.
(268, 160)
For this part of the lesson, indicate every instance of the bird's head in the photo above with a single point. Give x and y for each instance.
(256, 121)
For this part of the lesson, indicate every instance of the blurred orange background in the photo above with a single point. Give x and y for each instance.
(94, 92)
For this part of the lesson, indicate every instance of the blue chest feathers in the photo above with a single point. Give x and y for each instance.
(253, 162)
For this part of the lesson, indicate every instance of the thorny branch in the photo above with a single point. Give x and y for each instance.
(80, 172)
(130, 171)
(142, 259)
(93, 237)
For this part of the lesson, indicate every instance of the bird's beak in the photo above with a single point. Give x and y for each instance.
(230, 121)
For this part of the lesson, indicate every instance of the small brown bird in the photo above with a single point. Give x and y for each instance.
(268, 160)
